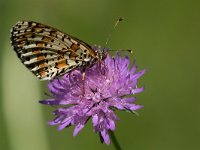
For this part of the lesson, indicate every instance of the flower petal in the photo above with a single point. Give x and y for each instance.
(95, 119)
(65, 123)
(105, 136)
(111, 125)
(137, 90)
(77, 129)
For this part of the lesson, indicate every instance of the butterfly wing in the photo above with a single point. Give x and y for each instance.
(46, 51)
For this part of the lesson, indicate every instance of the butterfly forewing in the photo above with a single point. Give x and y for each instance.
(46, 51)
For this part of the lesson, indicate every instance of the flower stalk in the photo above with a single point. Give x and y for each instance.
(114, 140)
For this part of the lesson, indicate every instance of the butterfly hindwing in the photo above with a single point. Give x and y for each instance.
(46, 51)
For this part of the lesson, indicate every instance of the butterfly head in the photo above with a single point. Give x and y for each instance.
(101, 52)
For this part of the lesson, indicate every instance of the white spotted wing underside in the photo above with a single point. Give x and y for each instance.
(46, 51)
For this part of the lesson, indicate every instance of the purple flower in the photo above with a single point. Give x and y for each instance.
(108, 87)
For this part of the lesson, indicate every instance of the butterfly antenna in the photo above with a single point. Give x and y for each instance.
(114, 27)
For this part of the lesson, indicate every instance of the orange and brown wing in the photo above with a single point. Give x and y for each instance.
(46, 51)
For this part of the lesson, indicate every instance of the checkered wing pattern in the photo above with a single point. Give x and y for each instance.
(48, 52)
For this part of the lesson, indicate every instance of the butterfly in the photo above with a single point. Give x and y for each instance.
(48, 52)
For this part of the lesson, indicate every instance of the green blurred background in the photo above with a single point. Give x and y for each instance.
(165, 35)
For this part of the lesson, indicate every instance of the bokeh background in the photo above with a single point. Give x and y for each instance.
(165, 35)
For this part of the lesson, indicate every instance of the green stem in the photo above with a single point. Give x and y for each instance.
(114, 140)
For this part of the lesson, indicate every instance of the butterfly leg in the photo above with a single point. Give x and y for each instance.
(83, 83)
(100, 68)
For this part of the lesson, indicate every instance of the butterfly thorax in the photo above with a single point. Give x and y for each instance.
(98, 56)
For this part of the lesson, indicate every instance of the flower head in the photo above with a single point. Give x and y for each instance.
(108, 87)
